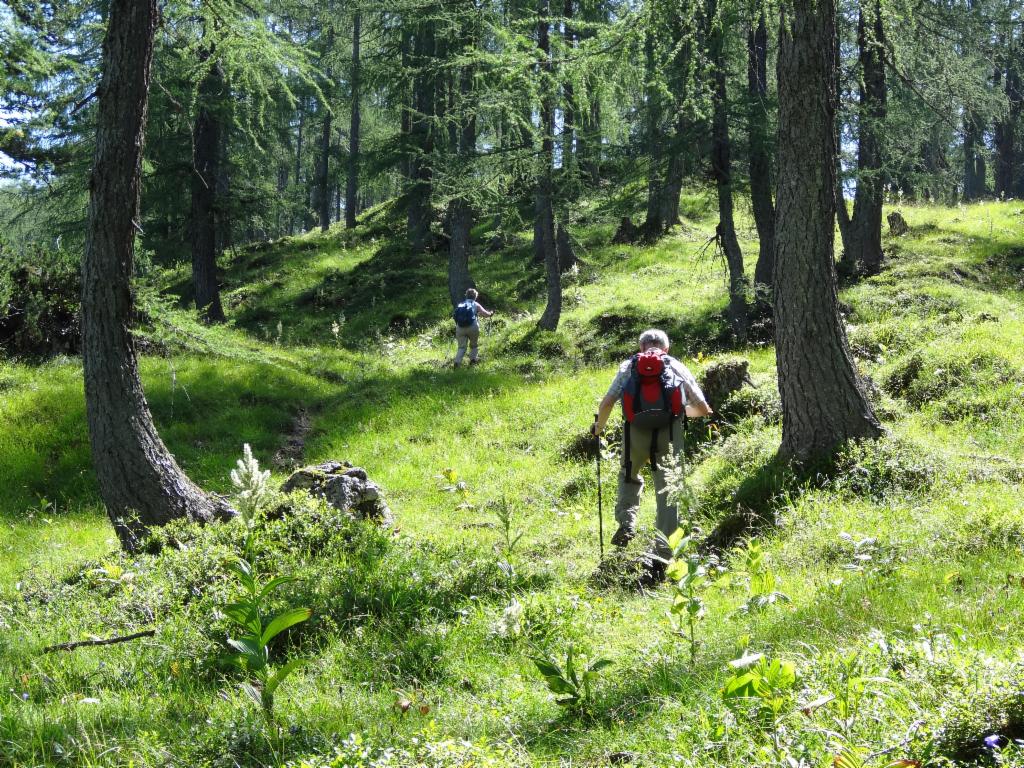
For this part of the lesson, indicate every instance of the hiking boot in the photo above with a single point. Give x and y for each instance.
(652, 571)
(623, 536)
(474, 362)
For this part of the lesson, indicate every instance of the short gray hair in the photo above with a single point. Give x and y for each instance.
(471, 293)
(654, 337)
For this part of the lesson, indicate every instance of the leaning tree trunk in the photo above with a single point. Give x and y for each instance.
(205, 176)
(139, 481)
(865, 240)
(760, 154)
(544, 220)
(722, 171)
(823, 400)
(352, 182)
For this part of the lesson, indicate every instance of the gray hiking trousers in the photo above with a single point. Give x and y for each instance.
(631, 485)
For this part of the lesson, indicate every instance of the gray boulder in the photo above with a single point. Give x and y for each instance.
(344, 487)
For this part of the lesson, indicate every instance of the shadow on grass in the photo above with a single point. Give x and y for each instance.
(205, 409)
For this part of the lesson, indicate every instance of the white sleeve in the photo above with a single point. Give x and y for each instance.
(691, 388)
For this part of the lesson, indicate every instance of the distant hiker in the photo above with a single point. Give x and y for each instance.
(658, 392)
(467, 326)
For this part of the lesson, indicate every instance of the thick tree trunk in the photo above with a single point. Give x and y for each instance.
(544, 221)
(865, 241)
(823, 400)
(139, 481)
(352, 182)
(760, 154)
(722, 171)
(206, 135)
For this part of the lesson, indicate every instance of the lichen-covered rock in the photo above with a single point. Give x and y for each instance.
(344, 487)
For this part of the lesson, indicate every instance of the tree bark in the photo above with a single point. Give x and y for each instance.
(421, 139)
(653, 226)
(544, 220)
(1005, 132)
(974, 163)
(823, 400)
(865, 241)
(206, 140)
(760, 154)
(569, 118)
(460, 211)
(722, 171)
(323, 176)
(563, 247)
(139, 481)
(298, 159)
(352, 182)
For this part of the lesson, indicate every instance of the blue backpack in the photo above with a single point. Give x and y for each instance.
(465, 313)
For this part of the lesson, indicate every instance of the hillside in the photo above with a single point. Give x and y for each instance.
(891, 581)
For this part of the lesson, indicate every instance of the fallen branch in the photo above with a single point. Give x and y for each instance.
(107, 641)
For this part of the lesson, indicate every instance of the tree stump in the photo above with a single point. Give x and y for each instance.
(723, 379)
(627, 233)
(897, 224)
(344, 487)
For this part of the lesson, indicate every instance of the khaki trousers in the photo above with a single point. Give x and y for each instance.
(470, 335)
(631, 486)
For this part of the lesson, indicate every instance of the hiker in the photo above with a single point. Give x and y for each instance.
(658, 392)
(467, 327)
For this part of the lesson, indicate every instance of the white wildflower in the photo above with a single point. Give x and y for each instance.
(250, 483)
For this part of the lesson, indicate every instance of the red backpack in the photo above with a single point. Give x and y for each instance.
(653, 397)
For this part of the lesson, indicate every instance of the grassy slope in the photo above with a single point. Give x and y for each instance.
(941, 328)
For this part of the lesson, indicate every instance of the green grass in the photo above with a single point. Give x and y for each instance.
(933, 604)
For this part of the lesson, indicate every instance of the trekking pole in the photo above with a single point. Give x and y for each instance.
(600, 512)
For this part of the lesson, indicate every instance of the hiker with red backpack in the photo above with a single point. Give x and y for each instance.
(658, 393)
(467, 327)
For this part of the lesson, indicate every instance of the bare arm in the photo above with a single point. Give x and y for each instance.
(701, 408)
(604, 410)
(483, 311)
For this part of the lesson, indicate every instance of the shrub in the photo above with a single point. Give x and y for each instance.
(39, 303)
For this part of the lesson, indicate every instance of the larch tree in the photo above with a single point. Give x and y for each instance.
(823, 399)
(139, 481)
(544, 246)
(721, 169)
(355, 122)
(862, 240)
(207, 143)
(759, 151)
